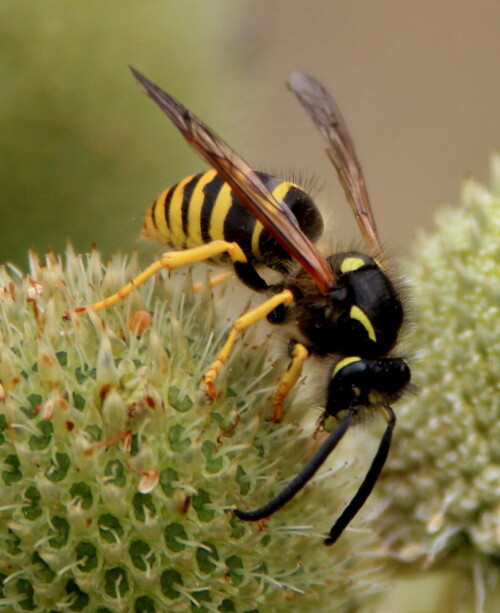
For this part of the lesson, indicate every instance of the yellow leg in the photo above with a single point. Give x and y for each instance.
(215, 280)
(175, 259)
(242, 323)
(289, 379)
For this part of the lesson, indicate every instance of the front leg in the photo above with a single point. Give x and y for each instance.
(285, 297)
(299, 355)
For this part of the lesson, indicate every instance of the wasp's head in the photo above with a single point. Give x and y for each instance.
(365, 382)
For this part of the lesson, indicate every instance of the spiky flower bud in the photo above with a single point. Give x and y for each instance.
(441, 486)
(117, 477)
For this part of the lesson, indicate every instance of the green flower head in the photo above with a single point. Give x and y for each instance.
(117, 476)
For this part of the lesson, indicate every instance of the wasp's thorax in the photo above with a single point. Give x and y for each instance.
(361, 315)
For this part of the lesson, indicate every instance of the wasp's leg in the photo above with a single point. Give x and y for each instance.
(171, 260)
(215, 280)
(299, 355)
(246, 273)
(285, 297)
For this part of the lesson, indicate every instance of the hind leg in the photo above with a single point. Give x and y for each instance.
(171, 260)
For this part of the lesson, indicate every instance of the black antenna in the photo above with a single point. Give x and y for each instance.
(303, 477)
(365, 489)
(315, 464)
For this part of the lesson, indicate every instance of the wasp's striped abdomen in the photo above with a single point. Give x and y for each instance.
(203, 208)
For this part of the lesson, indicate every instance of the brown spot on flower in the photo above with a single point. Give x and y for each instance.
(148, 481)
(104, 391)
(139, 322)
(186, 505)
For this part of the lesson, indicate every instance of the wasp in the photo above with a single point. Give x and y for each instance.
(343, 306)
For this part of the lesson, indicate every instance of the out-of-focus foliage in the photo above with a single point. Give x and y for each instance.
(82, 151)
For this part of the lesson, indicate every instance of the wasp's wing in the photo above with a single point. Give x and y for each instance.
(275, 217)
(323, 110)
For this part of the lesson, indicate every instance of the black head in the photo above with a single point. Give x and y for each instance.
(366, 382)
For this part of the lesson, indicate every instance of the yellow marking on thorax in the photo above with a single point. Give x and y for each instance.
(220, 210)
(351, 264)
(359, 315)
(345, 362)
(257, 231)
(198, 198)
(175, 214)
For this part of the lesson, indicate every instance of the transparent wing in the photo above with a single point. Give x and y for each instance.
(327, 117)
(253, 194)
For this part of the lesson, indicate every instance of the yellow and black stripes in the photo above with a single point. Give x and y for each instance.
(202, 208)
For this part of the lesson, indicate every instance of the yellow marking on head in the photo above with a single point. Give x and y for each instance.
(345, 362)
(197, 200)
(175, 214)
(220, 210)
(350, 264)
(359, 315)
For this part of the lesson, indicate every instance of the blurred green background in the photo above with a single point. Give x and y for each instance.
(83, 152)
